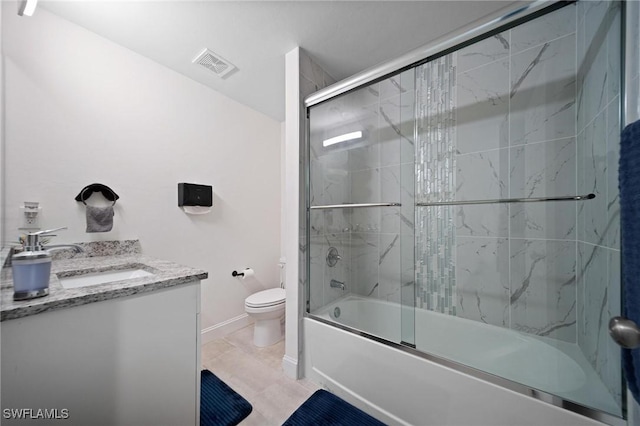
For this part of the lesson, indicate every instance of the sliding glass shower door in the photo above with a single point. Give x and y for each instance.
(517, 204)
(361, 208)
(467, 208)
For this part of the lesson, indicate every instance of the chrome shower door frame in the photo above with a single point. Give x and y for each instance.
(440, 47)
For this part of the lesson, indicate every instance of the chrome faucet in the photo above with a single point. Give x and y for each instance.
(33, 243)
(337, 284)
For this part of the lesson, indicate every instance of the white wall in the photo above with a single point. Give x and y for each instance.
(81, 109)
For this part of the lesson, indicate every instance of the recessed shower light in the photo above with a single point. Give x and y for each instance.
(342, 138)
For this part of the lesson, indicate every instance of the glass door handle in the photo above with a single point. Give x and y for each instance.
(624, 332)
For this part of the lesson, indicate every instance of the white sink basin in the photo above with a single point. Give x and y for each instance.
(104, 277)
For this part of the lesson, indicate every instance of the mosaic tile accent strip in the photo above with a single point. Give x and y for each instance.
(435, 181)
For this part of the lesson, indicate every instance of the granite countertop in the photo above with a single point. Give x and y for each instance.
(165, 274)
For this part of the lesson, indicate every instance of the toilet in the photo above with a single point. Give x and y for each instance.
(267, 309)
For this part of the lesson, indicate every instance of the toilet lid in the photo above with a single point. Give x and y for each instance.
(273, 296)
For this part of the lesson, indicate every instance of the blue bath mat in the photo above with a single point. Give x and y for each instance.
(325, 409)
(219, 404)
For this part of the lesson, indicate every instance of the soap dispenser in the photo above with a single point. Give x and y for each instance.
(31, 268)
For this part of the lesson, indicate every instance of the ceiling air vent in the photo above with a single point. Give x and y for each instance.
(214, 63)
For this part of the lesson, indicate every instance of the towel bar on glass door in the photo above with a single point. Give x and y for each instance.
(509, 200)
(354, 206)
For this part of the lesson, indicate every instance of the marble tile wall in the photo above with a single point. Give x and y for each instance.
(598, 230)
(513, 109)
(542, 163)
(382, 171)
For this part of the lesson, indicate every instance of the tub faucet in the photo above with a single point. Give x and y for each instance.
(337, 284)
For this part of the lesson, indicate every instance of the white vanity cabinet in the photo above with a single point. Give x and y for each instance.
(131, 360)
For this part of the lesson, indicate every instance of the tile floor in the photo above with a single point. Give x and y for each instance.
(257, 375)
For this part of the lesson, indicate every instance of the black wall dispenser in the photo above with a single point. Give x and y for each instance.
(194, 198)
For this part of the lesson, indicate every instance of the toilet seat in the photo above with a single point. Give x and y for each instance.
(266, 298)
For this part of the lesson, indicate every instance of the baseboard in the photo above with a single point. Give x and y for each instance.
(224, 328)
(290, 367)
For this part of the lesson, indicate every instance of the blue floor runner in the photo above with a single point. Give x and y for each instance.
(219, 404)
(325, 409)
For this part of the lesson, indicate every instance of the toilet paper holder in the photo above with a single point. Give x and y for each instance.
(246, 272)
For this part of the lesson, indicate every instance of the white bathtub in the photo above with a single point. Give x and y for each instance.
(401, 388)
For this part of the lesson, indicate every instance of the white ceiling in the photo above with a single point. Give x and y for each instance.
(344, 37)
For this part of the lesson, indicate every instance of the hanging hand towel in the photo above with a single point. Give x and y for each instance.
(99, 219)
(629, 181)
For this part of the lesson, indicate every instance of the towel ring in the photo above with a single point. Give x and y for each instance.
(107, 192)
